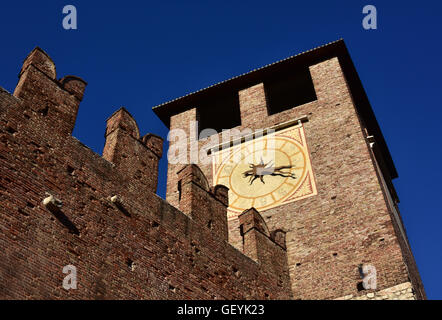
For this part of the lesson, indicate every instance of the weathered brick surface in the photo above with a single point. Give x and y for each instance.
(182, 122)
(195, 192)
(258, 244)
(253, 106)
(58, 101)
(143, 248)
(136, 159)
(350, 221)
(402, 291)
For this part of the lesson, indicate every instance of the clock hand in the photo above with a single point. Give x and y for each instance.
(254, 178)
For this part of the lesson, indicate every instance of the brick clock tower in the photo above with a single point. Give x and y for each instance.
(305, 151)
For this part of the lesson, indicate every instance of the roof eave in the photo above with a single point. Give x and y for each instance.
(333, 49)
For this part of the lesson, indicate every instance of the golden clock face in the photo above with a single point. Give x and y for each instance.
(266, 172)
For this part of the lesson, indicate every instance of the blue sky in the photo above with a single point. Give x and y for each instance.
(139, 54)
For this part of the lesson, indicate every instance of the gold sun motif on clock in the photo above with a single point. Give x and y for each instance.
(260, 170)
(265, 172)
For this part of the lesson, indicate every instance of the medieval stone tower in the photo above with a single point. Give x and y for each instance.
(297, 203)
(339, 209)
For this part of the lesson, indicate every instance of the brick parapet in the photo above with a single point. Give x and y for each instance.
(139, 247)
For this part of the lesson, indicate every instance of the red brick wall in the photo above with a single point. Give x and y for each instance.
(207, 208)
(253, 106)
(136, 159)
(258, 245)
(180, 121)
(142, 249)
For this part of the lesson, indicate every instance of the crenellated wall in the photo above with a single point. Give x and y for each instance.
(137, 159)
(258, 243)
(206, 206)
(128, 243)
(57, 100)
(124, 240)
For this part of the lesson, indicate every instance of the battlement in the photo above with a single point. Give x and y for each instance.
(136, 158)
(58, 100)
(207, 207)
(62, 204)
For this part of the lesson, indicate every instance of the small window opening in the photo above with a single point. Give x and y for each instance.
(220, 112)
(289, 90)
